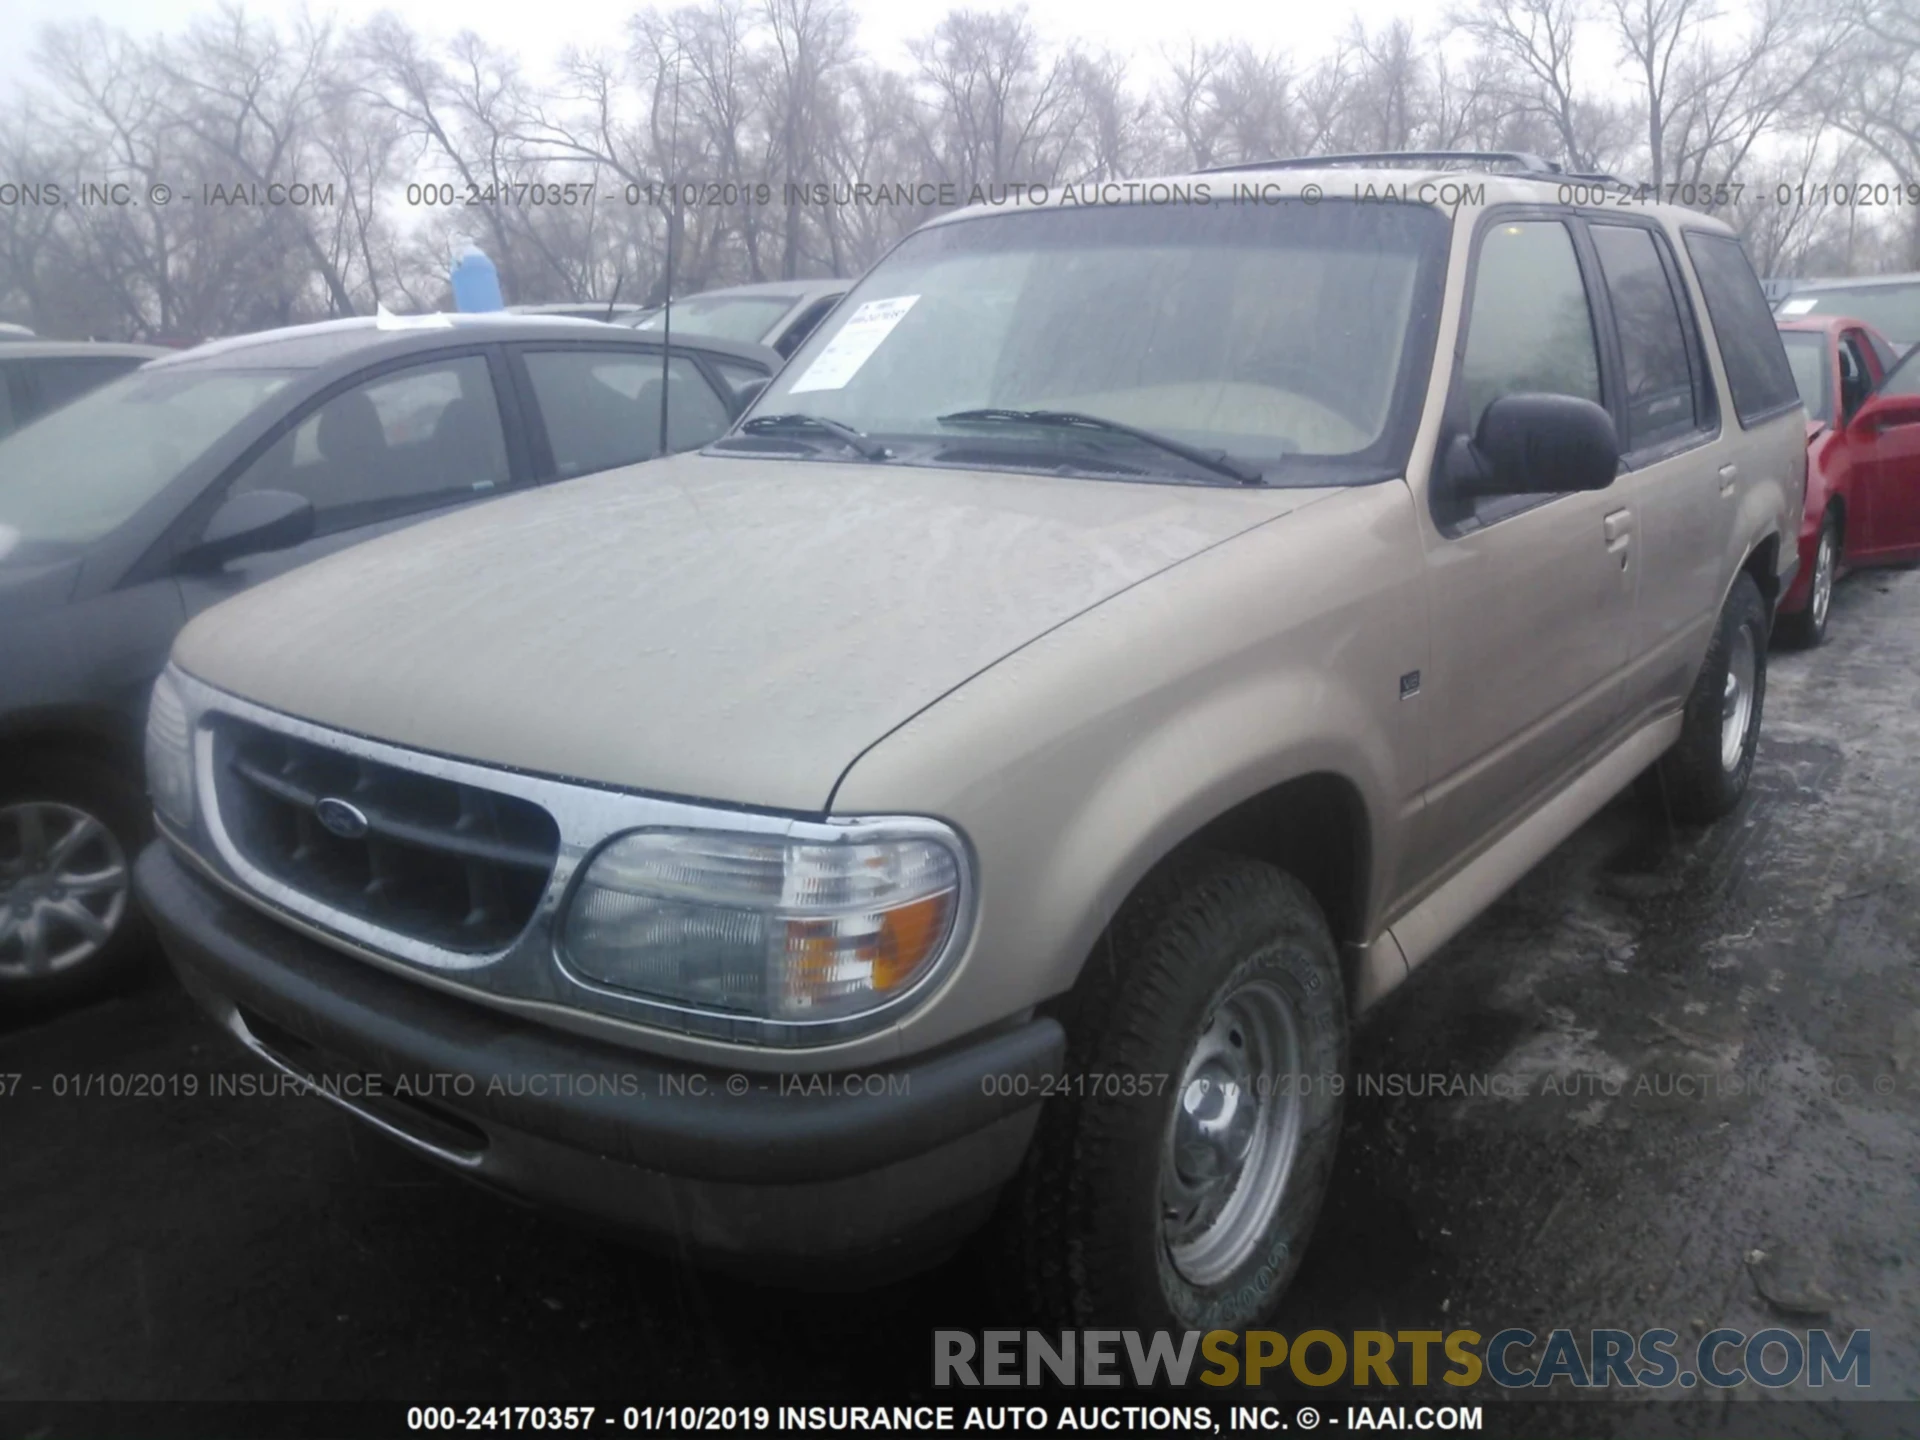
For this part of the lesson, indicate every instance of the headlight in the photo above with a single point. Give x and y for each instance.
(783, 929)
(169, 754)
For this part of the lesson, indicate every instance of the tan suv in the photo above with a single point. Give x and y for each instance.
(1135, 631)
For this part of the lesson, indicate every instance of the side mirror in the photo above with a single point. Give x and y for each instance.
(1885, 412)
(1536, 445)
(248, 523)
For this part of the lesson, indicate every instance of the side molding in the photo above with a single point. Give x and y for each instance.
(1444, 913)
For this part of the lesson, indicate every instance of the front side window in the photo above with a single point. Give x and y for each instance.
(1750, 348)
(1654, 346)
(602, 408)
(1530, 329)
(70, 477)
(408, 440)
(1287, 337)
(1903, 379)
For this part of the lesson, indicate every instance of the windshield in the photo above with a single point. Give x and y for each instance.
(1287, 337)
(726, 317)
(73, 475)
(1807, 354)
(1893, 310)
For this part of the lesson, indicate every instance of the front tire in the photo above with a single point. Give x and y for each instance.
(1706, 772)
(1210, 1036)
(69, 925)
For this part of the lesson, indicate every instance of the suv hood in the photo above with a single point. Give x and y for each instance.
(722, 628)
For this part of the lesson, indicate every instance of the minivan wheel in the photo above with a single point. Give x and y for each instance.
(1706, 772)
(1809, 626)
(1177, 1175)
(69, 924)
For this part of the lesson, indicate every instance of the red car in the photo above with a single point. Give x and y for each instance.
(1863, 460)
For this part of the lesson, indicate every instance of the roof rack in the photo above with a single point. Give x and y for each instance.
(1517, 159)
(1521, 160)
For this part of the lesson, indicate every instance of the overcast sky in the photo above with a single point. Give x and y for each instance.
(538, 29)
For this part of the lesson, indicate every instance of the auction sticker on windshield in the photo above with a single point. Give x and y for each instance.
(834, 366)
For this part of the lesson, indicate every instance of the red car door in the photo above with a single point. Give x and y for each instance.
(1887, 431)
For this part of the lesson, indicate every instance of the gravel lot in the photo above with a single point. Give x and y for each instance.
(1748, 995)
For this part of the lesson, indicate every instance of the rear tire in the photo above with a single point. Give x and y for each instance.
(1706, 772)
(1808, 627)
(1175, 1184)
(70, 827)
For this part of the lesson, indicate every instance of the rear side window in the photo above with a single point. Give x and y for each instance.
(1530, 328)
(602, 407)
(1654, 347)
(1757, 369)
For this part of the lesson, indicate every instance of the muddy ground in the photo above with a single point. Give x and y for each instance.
(1718, 1035)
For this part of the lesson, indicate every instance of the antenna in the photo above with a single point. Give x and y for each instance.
(673, 211)
(614, 298)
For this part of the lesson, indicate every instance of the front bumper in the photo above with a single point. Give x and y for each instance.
(882, 1170)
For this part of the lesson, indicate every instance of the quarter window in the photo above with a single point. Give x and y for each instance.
(1750, 348)
(1654, 348)
(1530, 329)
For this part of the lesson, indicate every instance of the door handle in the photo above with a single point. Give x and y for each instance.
(1728, 474)
(1619, 528)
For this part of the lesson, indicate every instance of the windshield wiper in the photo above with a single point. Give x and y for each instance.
(1218, 461)
(862, 444)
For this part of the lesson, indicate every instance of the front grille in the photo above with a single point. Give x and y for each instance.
(453, 865)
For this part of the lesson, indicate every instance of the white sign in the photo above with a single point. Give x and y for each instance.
(1798, 307)
(855, 343)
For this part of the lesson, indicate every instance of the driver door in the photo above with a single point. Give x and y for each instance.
(1890, 476)
(1532, 596)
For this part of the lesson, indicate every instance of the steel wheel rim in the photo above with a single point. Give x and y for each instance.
(1736, 703)
(1822, 578)
(1234, 1134)
(63, 888)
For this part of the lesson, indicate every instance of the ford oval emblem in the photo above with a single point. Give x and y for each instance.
(349, 822)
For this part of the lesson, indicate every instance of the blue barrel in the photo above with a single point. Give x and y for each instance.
(476, 284)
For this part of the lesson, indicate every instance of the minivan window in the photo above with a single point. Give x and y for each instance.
(1654, 347)
(72, 476)
(1530, 328)
(1750, 348)
(1287, 336)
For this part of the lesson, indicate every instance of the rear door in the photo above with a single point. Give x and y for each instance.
(1532, 595)
(1763, 449)
(1667, 416)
